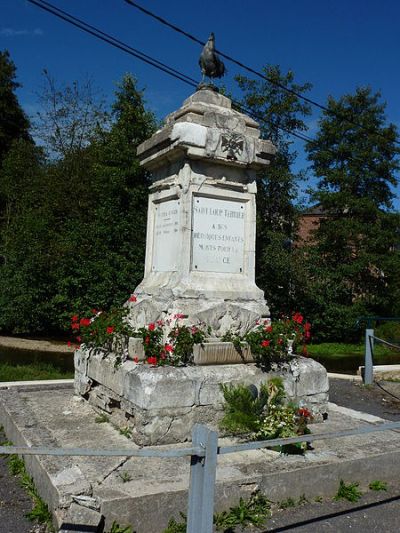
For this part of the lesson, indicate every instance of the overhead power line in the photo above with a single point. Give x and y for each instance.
(113, 41)
(95, 32)
(160, 66)
(256, 72)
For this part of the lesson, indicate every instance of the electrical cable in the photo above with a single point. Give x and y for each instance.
(387, 392)
(92, 30)
(256, 72)
(113, 41)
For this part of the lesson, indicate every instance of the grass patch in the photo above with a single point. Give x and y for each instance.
(349, 491)
(40, 512)
(102, 419)
(333, 350)
(116, 528)
(32, 371)
(378, 485)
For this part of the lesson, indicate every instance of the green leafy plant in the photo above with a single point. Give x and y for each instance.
(116, 528)
(288, 503)
(243, 407)
(264, 415)
(108, 330)
(126, 432)
(253, 511)
(125, 476)
(274, 342)
(378, 485)
(40, 511)
(102, 419)
(177, 527)
(349, 491)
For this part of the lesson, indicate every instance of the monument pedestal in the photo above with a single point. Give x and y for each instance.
(200, 250)
(160, 405)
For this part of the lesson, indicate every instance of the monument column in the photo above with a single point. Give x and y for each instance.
(200, 248)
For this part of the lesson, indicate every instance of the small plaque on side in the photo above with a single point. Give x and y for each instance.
(166, 236)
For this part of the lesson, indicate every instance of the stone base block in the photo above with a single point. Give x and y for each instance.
(160, 405)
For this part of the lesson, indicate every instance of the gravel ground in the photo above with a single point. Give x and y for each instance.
(375, 512)
(14, 502)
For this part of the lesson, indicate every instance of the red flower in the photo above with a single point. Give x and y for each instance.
(264, 344)
(152, 360)
(307, 326)
(75, 318)
(298, 317)
(268, 329)
(75, 325)
(179, 315)
(132, 298)
(169, 348)
(147, 340)
(85, 322)
(78, 339)
(69, 343)
(110, 329)
(152, 326)
(163, 356)
(94, 311)
(194, 329)
(136, 359)
(280, 341)
(303, 411)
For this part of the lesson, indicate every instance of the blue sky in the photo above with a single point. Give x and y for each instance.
(337, 45)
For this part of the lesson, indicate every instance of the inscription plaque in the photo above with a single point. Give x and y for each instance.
(218, 235)
(166, 236)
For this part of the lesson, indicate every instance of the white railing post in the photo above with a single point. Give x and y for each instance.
(369, 363)
(202, 481)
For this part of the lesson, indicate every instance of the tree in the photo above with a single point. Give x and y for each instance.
(101, 243)
(14, 124)
(71, 116)
(278, 113)
(355, 252)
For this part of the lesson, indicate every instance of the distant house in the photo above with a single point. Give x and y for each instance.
(309, 221)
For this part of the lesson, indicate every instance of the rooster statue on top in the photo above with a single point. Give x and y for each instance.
(210, 64)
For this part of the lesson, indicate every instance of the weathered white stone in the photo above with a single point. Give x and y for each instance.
(200, 249)
(312, 378)
(161, 404)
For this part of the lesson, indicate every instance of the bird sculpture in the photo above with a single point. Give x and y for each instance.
(210, 64)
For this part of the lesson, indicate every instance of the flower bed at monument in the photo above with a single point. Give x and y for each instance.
(171, 341)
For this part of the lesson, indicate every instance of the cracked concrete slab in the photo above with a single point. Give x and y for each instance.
(147, 492)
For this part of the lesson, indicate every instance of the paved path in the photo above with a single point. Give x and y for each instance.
(375, 512)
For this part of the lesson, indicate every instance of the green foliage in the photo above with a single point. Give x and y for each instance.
(177, 527)
(277, 111)
(73, 229)
(116, 528)
(32, 371)
(349, 491)
(101, 419)
(287, 504)
(389, 331)
(251, 512)
(40, 512)
(378, 485)
(183, 338)
(264, 415)
(14, 124)
(353, 267)
(243, 408)
(126, 432)
(125, 477)
(269, 343)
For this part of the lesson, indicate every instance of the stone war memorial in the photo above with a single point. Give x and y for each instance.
(195, 333)
(199, 269)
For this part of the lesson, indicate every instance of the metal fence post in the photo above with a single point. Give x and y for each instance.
(369, 363)
(202, 481)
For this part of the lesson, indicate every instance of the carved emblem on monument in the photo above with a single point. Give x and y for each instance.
(232, 144)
